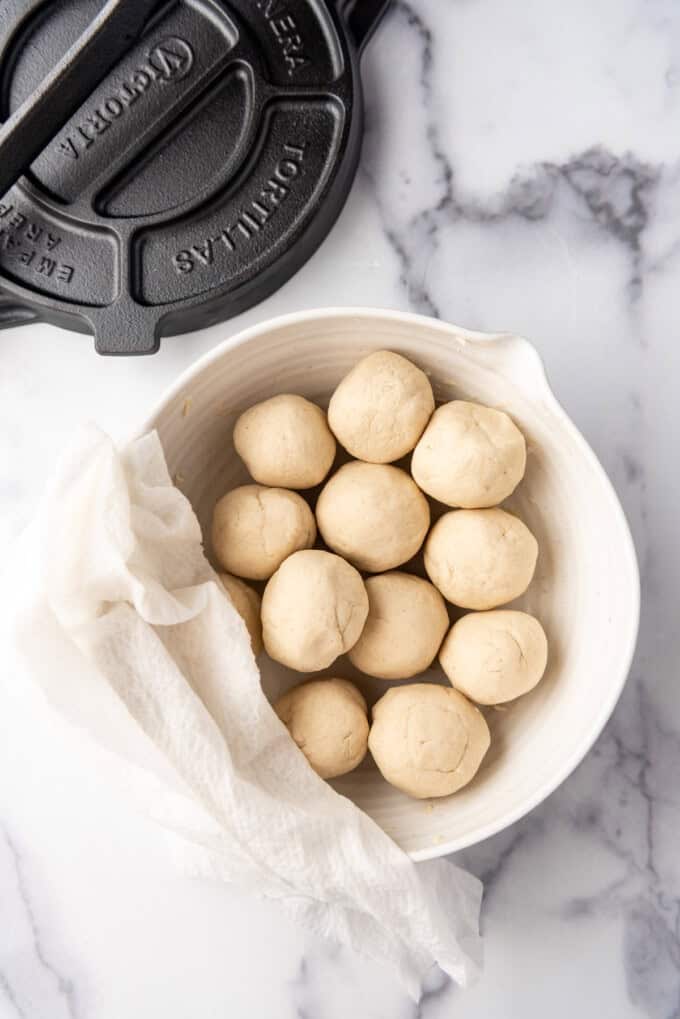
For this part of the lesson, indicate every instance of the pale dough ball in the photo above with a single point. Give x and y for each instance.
(479, 559)
(285, 442)
(427, 740)
(379, 411)
(327, 718)
(247, 603)
(493, 657)
(407, 621)
(469, 456)
(255, 528)
(313, 610)
(373, 515)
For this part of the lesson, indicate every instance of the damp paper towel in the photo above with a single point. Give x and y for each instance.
(120, 618)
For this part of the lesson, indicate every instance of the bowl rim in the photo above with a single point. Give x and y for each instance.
(629, 561)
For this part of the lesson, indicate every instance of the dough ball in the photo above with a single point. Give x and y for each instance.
(247, 603)
(373, 515)
(285, 442)
(379, 411)
(327, 719)
(480, 558)
(494, 657)
(427, 740)
(255, 528)
(469, 456)
(407, 621)
(313, 610)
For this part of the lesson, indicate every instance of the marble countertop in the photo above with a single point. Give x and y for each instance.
(521, 172)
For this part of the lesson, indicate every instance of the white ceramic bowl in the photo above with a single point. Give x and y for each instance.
(586, 589)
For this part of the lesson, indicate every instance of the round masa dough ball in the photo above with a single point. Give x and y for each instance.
(379, 411)
(255, 528)
(374, 515)
(313, 610)
(327, 718)
(479, 559)
(469, 456)
(247, 603)
(285, 442)
(493, 657)
(427, 742)
(407, 621)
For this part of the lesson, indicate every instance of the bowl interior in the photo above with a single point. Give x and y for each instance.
(585, 590)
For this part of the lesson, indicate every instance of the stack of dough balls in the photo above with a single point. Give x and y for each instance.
(337, 581)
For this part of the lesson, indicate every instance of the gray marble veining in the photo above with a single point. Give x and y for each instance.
(34, 971)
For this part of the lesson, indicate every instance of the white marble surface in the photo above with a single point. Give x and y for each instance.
(521, 172)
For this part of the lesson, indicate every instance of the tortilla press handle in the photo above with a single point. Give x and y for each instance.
(39, 119)
(13, 314)
(362, 18)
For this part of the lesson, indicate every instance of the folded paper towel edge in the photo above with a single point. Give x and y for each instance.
(132, 576)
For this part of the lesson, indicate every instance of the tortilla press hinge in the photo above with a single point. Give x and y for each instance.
(362, 17)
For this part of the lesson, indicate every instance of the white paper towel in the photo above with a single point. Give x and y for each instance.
(120, 618)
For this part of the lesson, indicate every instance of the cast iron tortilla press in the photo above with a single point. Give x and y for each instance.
(166, 164)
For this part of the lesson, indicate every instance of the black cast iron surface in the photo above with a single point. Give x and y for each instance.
(201, 171)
